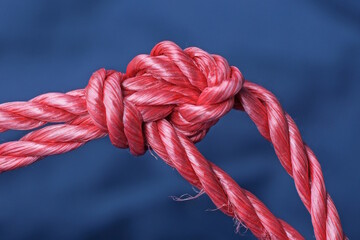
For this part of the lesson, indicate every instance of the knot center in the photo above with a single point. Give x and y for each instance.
(191, 88)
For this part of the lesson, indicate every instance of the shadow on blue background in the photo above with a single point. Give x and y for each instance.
(307, 53)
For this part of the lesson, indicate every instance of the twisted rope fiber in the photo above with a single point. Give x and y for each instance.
(168, 101)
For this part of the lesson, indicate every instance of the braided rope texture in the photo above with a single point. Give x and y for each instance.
(168, 101)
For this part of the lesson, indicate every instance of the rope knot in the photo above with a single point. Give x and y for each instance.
(191, 88)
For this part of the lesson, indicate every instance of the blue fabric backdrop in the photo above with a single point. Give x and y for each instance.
(306, 52)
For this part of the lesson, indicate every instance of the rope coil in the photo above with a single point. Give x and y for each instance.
(168, 101)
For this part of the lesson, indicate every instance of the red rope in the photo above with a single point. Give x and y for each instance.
(168, 100)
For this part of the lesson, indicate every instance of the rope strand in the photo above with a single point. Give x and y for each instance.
(296, 157)
(168, 101)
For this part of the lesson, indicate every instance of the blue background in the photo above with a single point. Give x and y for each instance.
(306, 52)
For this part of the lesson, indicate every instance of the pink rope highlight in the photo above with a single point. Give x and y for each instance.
(168, 101)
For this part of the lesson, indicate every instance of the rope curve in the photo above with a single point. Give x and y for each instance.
(168, 101)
